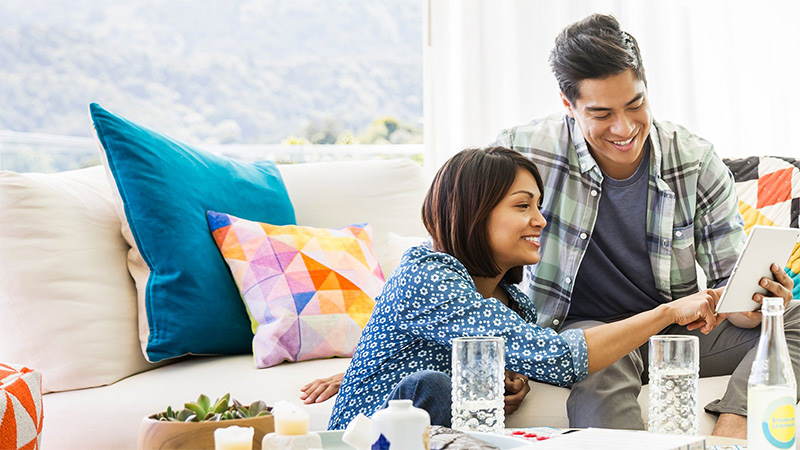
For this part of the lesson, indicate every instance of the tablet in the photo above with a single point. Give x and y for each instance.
(764, 246)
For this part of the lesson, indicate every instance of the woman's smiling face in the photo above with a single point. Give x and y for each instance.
(515, 224)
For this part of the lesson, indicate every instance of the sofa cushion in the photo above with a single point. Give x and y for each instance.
(396, 246)
(187, 300)
(63, 275)
(387, 194)
(309, 291)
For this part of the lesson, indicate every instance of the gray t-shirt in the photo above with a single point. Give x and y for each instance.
(615, 279)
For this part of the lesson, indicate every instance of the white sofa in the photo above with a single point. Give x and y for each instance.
(68, 304)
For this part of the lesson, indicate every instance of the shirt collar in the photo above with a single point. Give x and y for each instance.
(585, 159)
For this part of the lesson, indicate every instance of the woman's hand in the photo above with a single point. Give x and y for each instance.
(322, 389)
(780, 286)
(517, 388)
(696, 310)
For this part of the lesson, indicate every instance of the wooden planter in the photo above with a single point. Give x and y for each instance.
(159, 435)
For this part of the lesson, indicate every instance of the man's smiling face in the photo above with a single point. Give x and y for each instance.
(614, 116)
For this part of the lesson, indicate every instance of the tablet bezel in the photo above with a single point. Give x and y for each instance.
(765, 245)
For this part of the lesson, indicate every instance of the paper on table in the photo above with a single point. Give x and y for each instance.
(602, 439)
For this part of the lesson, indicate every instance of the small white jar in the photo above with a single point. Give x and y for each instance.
(403, 425)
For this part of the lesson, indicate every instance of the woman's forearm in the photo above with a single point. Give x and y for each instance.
(609, 342)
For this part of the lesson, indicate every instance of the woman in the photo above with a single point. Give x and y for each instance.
(482, 213)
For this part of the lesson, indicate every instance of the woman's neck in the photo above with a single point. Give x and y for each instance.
(488, 287)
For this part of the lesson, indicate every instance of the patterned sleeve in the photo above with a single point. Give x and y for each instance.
(437, 301)
(719, 229)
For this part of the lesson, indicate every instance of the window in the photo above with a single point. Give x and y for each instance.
(291, 80)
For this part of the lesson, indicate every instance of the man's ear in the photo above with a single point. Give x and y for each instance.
(565, 101)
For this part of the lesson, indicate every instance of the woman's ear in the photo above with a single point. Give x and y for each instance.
(568, 105)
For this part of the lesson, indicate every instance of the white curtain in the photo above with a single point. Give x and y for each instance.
(727, 70)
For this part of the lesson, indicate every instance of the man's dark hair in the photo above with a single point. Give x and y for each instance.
(457, 206)
(594, 47)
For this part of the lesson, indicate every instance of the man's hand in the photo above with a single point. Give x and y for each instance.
(516, 389)
(322, 389)
(696, 310)
(780, 286)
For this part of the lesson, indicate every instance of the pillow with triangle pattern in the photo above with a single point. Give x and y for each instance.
(308, 291)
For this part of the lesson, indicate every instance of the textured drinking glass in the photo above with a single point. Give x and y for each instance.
(478, 387)
(673, 367)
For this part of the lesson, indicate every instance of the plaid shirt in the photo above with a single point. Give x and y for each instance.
(691, 211)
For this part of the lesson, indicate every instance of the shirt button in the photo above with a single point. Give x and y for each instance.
(666, 242)
(584, 235)
(568, 280)
(678, 233)
(593, 193)
(556, 321)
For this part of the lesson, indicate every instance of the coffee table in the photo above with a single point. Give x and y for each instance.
(332, 440)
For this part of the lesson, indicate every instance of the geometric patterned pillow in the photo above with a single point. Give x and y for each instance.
(308, 291)
(769, 194)
(20, 407)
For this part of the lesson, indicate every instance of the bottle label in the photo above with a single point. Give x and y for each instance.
(778, 423)
(381, 444)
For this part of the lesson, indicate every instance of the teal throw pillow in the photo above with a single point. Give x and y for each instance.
(191, 302)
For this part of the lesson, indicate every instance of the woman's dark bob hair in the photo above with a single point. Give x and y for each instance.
(463, 193)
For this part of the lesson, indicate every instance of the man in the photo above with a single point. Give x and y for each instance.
(631, 204)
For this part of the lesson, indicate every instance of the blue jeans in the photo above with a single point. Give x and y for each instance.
(428, 390)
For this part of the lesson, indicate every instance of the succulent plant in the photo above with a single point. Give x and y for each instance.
(203, 410)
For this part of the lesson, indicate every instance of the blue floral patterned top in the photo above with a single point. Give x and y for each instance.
(429, 300)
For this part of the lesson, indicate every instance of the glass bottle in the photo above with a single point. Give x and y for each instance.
(771, 388)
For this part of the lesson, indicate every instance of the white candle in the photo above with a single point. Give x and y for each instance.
(290, 420)
(233, 438)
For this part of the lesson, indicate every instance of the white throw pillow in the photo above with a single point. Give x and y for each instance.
(386, 194)
(397, 245)
(67, 301)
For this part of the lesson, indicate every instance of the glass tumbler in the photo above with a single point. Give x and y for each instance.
(478, 384)
(674, 367)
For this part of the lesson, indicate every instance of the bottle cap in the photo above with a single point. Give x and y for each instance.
(360, 433)
(772, 305)
(404, 404)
